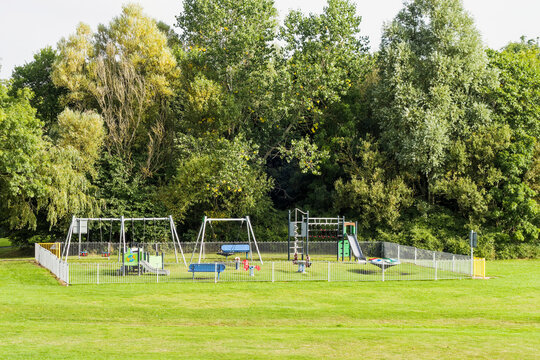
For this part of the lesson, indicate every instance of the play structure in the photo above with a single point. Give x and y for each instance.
(339, 256)
(349, 243)
(384, 263)
(137, 261)
(81, 227)
(227, 249)
(302, 228)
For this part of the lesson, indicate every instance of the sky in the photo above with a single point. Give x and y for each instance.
(26, 26)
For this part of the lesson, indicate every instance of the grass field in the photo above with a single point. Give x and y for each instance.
(490, 319)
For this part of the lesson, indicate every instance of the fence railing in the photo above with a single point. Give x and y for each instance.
(274, 271)
(48, 260)
(414, 264)
(326, 248)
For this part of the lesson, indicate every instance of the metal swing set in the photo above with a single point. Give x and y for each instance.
(79, 226)
(203, 230)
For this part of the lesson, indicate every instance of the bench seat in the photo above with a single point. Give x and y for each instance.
(206, 267)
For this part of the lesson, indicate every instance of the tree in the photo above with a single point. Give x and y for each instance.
(487, 178)
(223, 178)
(21, 153)
(229, 63)
(233, 36)
(516, 101)
(125, 71)
(83, 132)
(36, 75)
(433, 70)
(373, 194)
(325, 59)
(35, 174)
(327, 55)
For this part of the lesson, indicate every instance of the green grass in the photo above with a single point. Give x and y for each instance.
(497, 318)
(4, 242)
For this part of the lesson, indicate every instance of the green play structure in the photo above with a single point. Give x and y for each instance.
(136, 261)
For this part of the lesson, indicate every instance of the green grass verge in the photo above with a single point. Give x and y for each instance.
(4, 242)
(497, 318)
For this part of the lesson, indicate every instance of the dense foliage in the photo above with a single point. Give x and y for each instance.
(428, 137)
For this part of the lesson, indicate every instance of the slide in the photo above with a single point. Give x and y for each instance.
(149, 268)
(355, 247)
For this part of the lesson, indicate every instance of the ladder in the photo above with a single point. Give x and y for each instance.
(298, 243)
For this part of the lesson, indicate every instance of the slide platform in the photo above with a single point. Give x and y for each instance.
(355, 247)
(149, 268)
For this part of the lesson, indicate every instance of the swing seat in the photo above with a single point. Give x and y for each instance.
(231, 249)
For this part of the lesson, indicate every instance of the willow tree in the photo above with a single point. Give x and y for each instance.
(41, 182)
(124, 70)
(433, 70)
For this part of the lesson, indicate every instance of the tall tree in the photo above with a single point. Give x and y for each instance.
(125, 71)
(516, 101)
(326, 61)
(433, 69)
(36, 75)
(41, 182)
(229, 63)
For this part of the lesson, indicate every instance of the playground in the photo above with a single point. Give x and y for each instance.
(495, 319)
(317, 249)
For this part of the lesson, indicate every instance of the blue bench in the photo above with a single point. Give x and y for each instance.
(206, 267)
(230, 249)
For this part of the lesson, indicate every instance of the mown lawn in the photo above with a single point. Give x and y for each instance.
(496, 318)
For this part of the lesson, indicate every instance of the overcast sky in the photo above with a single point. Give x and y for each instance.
(29, 25)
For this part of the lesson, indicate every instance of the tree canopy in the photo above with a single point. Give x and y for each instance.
(232, 112)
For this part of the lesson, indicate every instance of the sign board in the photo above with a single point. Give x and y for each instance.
(473, 239)
(80, 227)
(292, 229)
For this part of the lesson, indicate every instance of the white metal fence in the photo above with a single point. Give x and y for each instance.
(55, 265)
(112, 272)
(415, 264)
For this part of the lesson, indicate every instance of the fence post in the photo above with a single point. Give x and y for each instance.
(215, 273)
(382, 268)
(434, 259)
(435, 269)
(453, 263)
(329, 271)
(484, 268)
(98, 273)
(272, 271)
(398, 252)
(415, 251)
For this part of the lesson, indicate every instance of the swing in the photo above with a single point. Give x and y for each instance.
(144, 230)
(104, 253)
(231, 249)
(85, 252)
